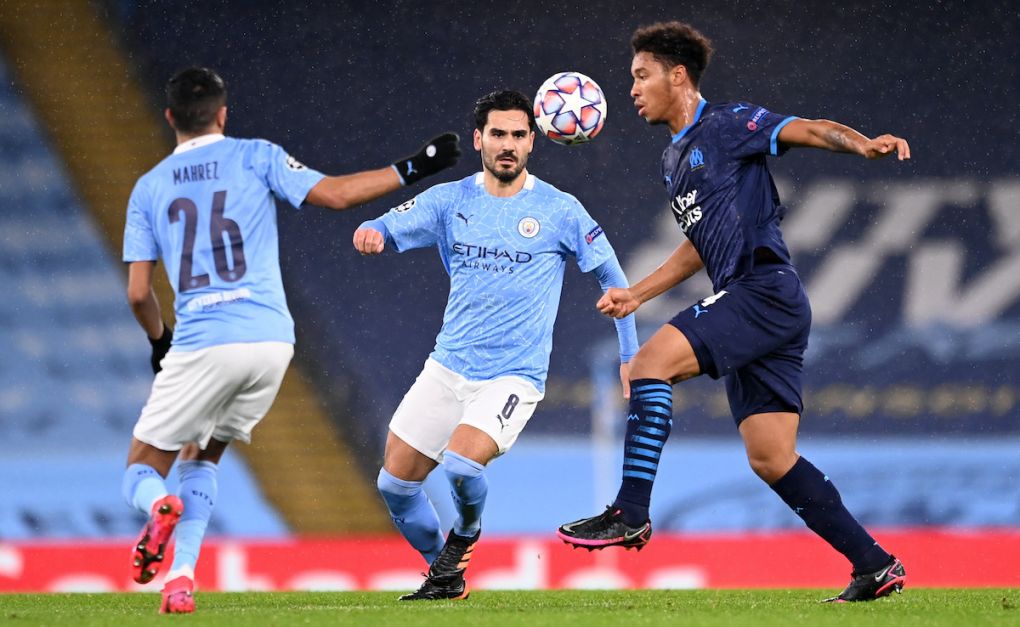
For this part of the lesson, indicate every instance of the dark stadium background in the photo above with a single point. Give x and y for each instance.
(351, 85)
(918, 422)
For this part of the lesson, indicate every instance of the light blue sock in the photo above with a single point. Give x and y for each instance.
(467, 478)
(198, 492)
(413, 514)
(141, 486)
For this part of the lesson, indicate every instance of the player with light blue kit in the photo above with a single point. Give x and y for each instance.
(504, 237)
(209, 212)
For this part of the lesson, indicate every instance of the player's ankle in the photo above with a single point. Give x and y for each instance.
(181, 571)
(633, 514)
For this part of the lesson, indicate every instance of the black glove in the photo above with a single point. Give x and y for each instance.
(160, 347)
(437, 154)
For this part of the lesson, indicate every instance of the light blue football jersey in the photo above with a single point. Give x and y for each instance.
(505, 258)
(208, 212)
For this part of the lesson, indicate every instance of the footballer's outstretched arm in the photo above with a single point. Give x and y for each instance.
(350, 190)
(837, 137)
(611, 276)
(684, 263)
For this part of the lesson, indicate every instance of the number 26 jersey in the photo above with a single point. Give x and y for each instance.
(208, 212)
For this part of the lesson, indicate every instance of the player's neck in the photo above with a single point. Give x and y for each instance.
(187, 137)
(500, 189)
(686, 109)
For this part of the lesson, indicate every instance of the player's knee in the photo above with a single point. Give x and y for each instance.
(461, 470)
(644, 367)
(769, 467)
(653, 364)
(394, 490)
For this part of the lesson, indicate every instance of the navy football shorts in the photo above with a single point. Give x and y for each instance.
(753, 332)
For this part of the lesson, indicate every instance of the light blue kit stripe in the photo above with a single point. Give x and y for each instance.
(773, 144)
(645, 397)
(651, 430)
(640, 463)
(653, 387)
(632, 450)
(647, 476)
(658, 419)
(657, 411)
(637, 439)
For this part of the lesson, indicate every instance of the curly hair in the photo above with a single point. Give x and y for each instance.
(675, 43)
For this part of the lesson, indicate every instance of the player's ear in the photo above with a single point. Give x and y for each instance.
(221, 117)
(169, 118)
(679, 74)
(478, 140)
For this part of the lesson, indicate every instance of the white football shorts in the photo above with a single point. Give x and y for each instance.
(218, 392)
(441, 399)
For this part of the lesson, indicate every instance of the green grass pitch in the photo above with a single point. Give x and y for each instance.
(761, 608)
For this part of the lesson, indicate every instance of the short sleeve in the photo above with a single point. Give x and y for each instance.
(289, 179)
(139, 237)
(417, 223)
(750, 130)
(585, 239)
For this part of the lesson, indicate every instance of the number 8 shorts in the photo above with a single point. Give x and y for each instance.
(441, 399)
(217, 392)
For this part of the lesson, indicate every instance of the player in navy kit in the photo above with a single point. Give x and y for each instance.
(753, 331)
(208, 211)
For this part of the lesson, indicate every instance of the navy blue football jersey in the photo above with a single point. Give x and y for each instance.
(720, 189)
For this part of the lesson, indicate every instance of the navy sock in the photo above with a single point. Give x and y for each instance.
(812, 496)
(648, 424)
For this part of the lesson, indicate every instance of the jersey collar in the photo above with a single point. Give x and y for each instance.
(697, 116)
(198, 142)
(529, 181)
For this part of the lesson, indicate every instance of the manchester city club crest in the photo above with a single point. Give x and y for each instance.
(529, 227)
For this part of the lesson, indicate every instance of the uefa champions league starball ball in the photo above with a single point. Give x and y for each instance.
(570, 108)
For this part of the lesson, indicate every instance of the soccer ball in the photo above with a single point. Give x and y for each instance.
(570, 108)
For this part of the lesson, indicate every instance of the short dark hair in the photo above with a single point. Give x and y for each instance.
(675, 43)
(503, 100)
(194, 95)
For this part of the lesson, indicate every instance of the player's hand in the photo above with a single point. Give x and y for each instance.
(618, 302)
(369, 241)
(160, 346)
(885, 145)
(625, 379)
(436, 155)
